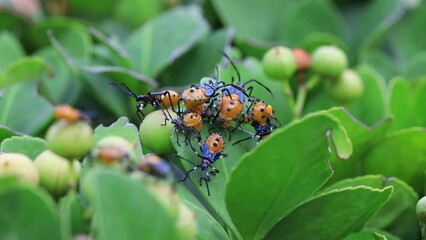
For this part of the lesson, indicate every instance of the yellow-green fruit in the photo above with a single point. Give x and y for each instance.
(186, 224)
(70, 139)
(20, 166)
(166, 195)
(154, 135)
(329, 61)
(348, 87)
(421, 210)
(279, 63)
(55, 172)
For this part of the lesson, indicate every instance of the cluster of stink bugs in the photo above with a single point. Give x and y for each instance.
(219, 106)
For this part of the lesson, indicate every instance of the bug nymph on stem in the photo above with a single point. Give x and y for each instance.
(211, 151)
(160, 100)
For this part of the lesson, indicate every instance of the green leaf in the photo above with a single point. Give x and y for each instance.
(413, 67)
(137, 12)
(72, 216)
(10, 48)
(121, 128)
(24, 111)
(11, 21)
(27, 213)
(420, 98)
(163, 39)
(370, 107)
(271, 198)
(56, 87)
(207, 225)
(351, 208)
(374, 21)
(401, 104)
(29, 146)
(311, 16)
(371, 234)
(24, 69)
(77, 43)
(36, 36)
(401, 154)
(124, 208)
(398, 215)
(381, 62)
(285, 21)
(362, 138)
(316, 39)
(400, 38)
(6, 132)
(202, 60)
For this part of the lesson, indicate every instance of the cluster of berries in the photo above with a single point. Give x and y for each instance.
(216, 104)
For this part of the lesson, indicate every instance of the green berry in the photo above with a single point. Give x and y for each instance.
(55, 172)
(329, 61)
(348, 87)
(19, 165)
(279, 63)
(166, 195)
(154, 135)
(421, 210)
(70, 139)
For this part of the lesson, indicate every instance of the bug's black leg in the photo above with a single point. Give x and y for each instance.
(244, 139)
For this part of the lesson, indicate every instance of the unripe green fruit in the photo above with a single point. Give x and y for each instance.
(55, 172)
(155, 136)
(20, 166)
(329, 61)
(185, 224)
(279, 63)
(70, 139)
(348, 87)
(421, 210)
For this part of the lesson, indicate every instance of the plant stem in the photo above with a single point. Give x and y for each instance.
(300, 100)
(290, 96)
(312, 82)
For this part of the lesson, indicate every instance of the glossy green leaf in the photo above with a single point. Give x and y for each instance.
(370, 107)
(56, 87)
(163, 39)
(401, 154)
(202, 60)
(397, 216)
(72, 216)
(24, 69)
(124, 208)
(371, 234)
(374, 21)
(77, 43)
(351, 208)
(271, 198)
(401, 104)
(362, 138)
(30, 146)
(23, 110)
(216, 201)
(124, 129)
(381, 62)
(27, 213)
(420, 98)
(10, 48)
(137, 12)
(286, 21)
(311, 16)
(402, 42)
(6, 132)
(36, 37)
